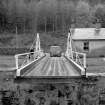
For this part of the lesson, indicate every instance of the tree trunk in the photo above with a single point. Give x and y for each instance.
(45, 24)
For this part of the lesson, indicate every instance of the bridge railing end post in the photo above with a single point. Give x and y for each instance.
(84, 61)
(76, 57)
(16, 61)
(17, 65)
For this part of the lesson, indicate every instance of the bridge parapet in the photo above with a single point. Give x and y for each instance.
(25, 59)
(78, 60)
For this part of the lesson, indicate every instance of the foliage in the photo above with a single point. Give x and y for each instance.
(49, 15)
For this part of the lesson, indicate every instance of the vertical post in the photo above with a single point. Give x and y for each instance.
(72, 53)
(84, 60)
(27, 58)
(76, 56)
(18, 71)
(16, 59)
(70, 43)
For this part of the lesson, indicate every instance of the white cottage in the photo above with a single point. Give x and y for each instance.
(90, 40)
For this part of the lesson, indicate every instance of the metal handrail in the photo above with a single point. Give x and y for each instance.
(84, 58)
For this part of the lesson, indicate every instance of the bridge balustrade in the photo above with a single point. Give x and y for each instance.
(25, 59)
(79, 58)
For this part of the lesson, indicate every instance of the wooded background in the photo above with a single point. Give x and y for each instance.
(30, 16)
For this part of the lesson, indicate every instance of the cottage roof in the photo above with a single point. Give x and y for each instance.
(88, 34)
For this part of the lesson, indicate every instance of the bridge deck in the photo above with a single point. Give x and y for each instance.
(53, 66)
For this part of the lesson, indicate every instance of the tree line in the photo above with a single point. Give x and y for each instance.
(49, 15)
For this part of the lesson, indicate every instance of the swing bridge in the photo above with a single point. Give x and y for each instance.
(38, 63)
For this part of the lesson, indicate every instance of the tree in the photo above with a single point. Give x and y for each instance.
(83, 16)
(99, 13)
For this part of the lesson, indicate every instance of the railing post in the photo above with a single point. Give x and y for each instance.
(76, 57)
(16, 60)
(28, 60)
(84, 60)
(18, 71)
(71, 54)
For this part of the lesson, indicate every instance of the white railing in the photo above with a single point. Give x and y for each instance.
(26, 58)
(79, 58)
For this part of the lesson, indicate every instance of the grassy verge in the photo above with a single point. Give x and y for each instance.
(6, 80)
(7, 63)
(12, 51)
(95, 65)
